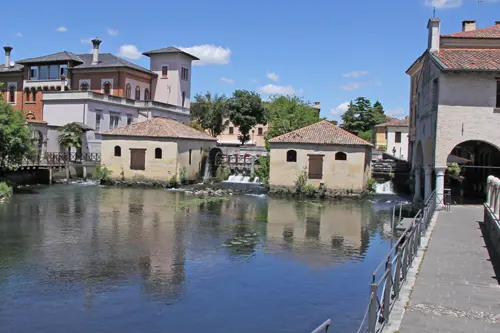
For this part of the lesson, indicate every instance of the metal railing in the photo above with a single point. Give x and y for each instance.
(323, 327)
(60, 159)
(492, 212)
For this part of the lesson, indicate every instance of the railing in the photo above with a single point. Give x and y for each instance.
(323, 327)
(491, 212)
(388, 278)
(61, 159)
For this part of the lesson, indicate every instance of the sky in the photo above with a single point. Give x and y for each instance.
(330, 51)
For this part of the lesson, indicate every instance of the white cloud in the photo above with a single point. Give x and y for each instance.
(356, 85)
(337, 111)
(209, 54)
(396, 113)
(129, 51)
(62, 29)
(19, 34)
(113, 32)
(227, 80)
(273, 76)
(444, 3)
(86, 40)
(356, 74)
(272, 89)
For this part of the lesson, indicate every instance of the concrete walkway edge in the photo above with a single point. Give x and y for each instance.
(399, 308)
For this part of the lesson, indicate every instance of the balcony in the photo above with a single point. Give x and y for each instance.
(47, 85)
(116, 100)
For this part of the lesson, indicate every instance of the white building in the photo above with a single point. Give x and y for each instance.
(395, 137)
(455, 106)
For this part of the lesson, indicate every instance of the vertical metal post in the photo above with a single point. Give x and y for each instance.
(405, 260)
(372, 311)
(397, 274)
(400, 209)
(393, 216)
(387, 292)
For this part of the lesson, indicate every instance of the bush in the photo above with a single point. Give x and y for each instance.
(371, 185)
(172, 182)
(263, 170)
(222, 173)
(5, 190)
(382, 147)
(102, 173)
(309, 191)
(301, 181)
(453, 170)
(183, 175)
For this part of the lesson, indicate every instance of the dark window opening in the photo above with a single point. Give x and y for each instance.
(315, 167)
(33, 94)
(106, 88)
(183, 98)
(291, 156)
(118, 151)
(137, 93)
(137, 159)
(84, 86)
(340, 156)
(498, 94)
(231, 130)
(12, 94)
(128, 91)
(259, 131)
(158, 153)
(189, 156)
(164, 71)
(146, 94)
(398, 137)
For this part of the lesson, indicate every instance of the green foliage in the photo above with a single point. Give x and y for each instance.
(194, 125)
(183, 175)
(222, 173)
(453, 169)
(371, 185)
(263, 170)
(367, 135)
(300, 181)
(15, 137)
(286, 114)
(246, 111)
(309, 190)
(210, 114)
(382, 147)
(70, 136)
(172, 182)
(5, 190)
(102, 173)
(361, 116)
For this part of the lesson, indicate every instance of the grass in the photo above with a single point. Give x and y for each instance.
(5, 190)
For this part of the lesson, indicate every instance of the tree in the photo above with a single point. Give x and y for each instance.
(378, 113)
(246, 111)
(15, 136)
(288, 113)
(210, 113)
(70, 135)
(361, 117)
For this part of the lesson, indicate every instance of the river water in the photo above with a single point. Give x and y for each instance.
(77, 258)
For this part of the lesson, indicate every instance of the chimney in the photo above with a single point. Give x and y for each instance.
(7, 49)
(468, 26)
(497, 22)
(317, 106)
(95, 52)
(434, 34)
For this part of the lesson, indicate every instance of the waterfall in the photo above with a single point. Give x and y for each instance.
(384, 188)
(241, 179)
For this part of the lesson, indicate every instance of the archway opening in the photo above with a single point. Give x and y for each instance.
(468, 166)
(214, 161)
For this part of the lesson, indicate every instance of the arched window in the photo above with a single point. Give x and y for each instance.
(128, 91)
(340, 156)
(30, 116)
(118, 151)
(33, 94)
(146, 94)
(137, 93)
(28, 95)
(106, 87)
(291, 156)
(84, 86)
(12, 94)
(158, 153)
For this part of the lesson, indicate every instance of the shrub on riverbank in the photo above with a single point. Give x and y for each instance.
(102, 173)
(311, 191)
(5, 190)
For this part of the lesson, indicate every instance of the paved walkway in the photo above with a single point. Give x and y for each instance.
(456, 289)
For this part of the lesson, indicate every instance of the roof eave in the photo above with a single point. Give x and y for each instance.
(158, 137)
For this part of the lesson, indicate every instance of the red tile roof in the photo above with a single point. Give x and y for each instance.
(160, 128)
(490, 32)
(395, 122)
(322, 133)
(469, 59)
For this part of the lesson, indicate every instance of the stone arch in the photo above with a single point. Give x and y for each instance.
(215, 158)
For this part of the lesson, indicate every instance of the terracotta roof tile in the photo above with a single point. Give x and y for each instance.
(323, 133)
(489, 32)
(395, 122)
(469, 59)
(160, 128)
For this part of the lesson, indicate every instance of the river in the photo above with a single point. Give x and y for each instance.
(76, 258)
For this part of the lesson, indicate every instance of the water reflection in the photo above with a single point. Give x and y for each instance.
(103, 249)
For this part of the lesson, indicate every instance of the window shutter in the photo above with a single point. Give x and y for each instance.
(316, 166)
(137, 159)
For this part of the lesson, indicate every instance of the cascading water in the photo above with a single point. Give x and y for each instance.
(385, 188)
(242, 179)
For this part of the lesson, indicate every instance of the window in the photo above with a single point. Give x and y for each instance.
(34, 73)
(113, 121)
(27, 95)
(146, 94)
(54, 72)
(340, 156)
(498, 94)
(189, 156)
(315, 166)
(259, 131)
(63, 70)
(128, 91)
(231, 130)
(33, 94)
(137, 93)
(84, 86)
(106, 87)
(398, 137)
(184, 73)
(130, 120)
(118, 151)
(183, 98)
(98, 123)
(44, 72)
(12, 94)
(291, 156)
(158, 153)
(30, 116)
(137, 159)
(164, 71)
